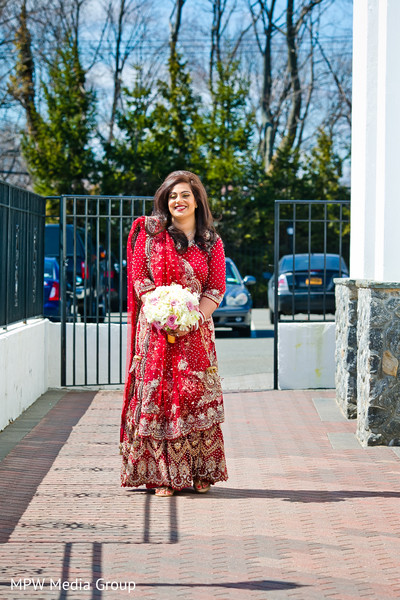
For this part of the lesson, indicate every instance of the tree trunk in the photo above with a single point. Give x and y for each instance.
(174, 29)
(175, 25)
(295, 87)
(215, 52)
(22, 85)
(266, 115)
(117, 71)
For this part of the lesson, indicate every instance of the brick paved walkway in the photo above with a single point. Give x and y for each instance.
(306, 514)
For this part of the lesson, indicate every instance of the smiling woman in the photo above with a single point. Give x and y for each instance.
(182, 206)
(171, 436)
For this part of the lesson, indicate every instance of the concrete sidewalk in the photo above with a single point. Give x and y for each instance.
(306, 514)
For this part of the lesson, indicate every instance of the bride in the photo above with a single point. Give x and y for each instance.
(171, 436)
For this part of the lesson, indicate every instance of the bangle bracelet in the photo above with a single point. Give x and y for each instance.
(202, 315)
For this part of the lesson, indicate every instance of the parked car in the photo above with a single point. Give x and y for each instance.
(312, 288)
(51, 292)
(87, 283)
(235, 308)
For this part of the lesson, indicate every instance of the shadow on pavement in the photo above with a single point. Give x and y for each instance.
(173, 515)
(256, 585)
(263, 584)
(24, 468)
(304, 496)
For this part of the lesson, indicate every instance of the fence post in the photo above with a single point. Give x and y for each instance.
(7, 263)
(63, 283)
(276, 312)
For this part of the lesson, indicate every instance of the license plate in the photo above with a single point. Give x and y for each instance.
(314, 281)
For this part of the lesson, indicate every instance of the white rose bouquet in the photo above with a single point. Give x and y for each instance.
(172, 307)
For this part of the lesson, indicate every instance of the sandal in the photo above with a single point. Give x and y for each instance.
(164, 492)
(201, 485)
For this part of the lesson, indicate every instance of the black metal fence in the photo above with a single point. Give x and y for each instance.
(22, 220)
(312, 246)
(91, 237)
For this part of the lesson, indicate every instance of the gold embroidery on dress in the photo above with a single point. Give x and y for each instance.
(135, 360)
(214, 295)
(189, 457)
(149, 406)
(192, 282)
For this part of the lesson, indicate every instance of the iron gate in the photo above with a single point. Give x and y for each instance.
(307, 231)
(22, 218)
(91, 238)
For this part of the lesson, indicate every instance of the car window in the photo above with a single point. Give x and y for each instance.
(232, 274)
(51, 243)
(316, 262)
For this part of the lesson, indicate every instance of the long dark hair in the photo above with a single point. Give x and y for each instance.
(205, 235)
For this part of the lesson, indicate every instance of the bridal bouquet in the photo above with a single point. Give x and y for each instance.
(170, 307)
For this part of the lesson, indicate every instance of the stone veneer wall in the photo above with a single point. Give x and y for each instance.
(346, 346)
(378, 375)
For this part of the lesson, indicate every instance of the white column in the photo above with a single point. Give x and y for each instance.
(375, 200)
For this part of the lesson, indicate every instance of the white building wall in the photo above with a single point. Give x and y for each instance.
(388, 136)
(363, 164)
(23, 369)
(375, 205)
(30, 361)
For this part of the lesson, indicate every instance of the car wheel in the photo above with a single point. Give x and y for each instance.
(245, 331)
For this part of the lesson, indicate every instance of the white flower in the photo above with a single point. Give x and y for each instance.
(172, 306)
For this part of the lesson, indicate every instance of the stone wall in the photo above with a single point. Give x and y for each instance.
(346, 346)
(367, 357)
(378, 374)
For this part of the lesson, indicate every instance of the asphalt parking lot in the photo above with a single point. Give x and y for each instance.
(247, 363)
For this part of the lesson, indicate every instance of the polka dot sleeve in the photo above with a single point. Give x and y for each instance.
(142, 280)
(216, 283)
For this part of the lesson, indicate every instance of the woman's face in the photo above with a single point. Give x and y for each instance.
(181, 202)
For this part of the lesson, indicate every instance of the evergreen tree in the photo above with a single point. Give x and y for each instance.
(127, 167)
(177, 121)
(226, 142)
(58, 150)
(283, 181)
(154, 140)
(324, 170)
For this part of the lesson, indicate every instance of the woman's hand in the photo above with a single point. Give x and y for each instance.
(180, 332)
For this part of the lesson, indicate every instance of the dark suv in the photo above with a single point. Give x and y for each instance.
(89, 281)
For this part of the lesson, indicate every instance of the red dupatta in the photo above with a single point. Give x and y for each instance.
(164, 267)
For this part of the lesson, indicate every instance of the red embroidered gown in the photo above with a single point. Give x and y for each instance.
(173, 405)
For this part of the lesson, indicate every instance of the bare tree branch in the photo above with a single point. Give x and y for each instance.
(310, 89)
(305, 10)
(175, 24)
(335, 77)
